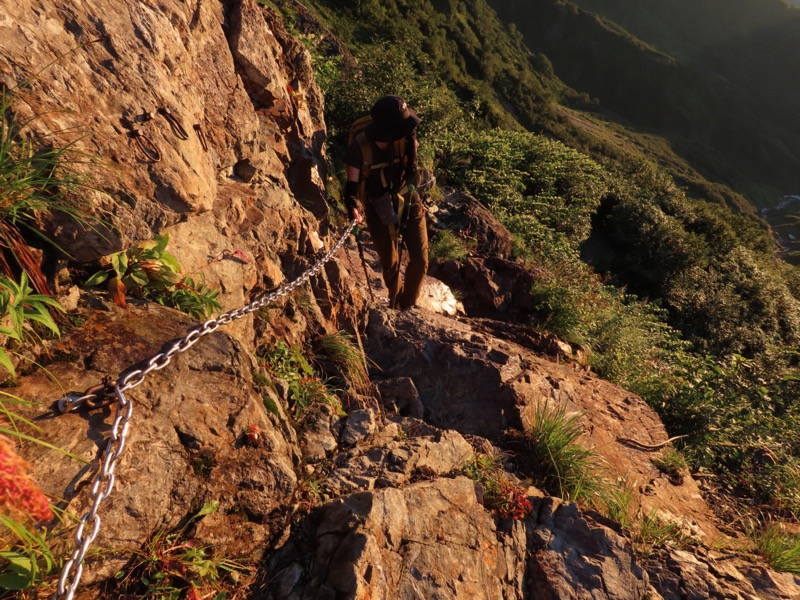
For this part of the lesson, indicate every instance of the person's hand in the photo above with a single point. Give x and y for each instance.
(354, 214)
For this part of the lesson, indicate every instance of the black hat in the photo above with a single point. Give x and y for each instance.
(391, 119)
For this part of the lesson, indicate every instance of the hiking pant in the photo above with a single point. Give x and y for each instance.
(402, 294)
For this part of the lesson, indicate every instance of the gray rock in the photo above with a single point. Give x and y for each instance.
(401, 396)
(360, 424)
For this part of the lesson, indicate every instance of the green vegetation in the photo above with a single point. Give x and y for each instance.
(151, 272)
(304, 387)
(37, 179)
(26, 557)
(446, 245)
(20, 310)
(500, 492)
(676, 298)
(779, 548)
(615, 500)
(169, 566)
(550, 453)
(742, 421)
(339, 355)
(718, 79)
(671, 462)
(650, 531)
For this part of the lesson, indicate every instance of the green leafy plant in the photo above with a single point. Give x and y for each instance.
(500, 492)
(741, 423)
(167, 566)
(552, 456)
(26, 558)
(19, 308)
(155, 274)
(305, 388)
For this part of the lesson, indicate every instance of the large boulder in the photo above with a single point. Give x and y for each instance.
(476, 383)
(186, 443)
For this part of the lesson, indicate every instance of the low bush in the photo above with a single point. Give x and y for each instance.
(151, 272)
(446, 245)
(500, 492)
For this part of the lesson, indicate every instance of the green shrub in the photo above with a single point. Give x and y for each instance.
(446, 245)
(153, 273)
(500, 493)
(26, 558)
(741, 422)
(631, 340)
(169, 565)
(517, 173)
(305, 388)
(672, 463)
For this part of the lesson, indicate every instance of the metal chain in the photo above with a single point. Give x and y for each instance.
(104, 478)
(101, 488)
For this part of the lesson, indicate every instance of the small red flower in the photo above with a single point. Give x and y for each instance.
(193, 594)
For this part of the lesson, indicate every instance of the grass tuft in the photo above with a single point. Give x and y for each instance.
(552, 456)
(340, 350)
(779, 548)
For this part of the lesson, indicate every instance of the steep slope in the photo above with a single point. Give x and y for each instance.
(719, 80)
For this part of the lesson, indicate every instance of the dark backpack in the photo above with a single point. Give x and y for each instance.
(358, 133)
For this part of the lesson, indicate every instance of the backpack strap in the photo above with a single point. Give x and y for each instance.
(397, 156)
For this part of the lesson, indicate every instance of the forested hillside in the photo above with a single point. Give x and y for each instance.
(719, 80)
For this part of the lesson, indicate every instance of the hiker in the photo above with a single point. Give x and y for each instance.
(381, 175)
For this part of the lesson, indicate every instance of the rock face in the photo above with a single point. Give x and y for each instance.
(478, 384)
(433, 539)
(206, 124)
(186, 443)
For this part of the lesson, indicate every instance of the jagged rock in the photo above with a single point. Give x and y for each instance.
(186, 443)
(490, 287)
(431, 539)
(680, 574)
(420, 451)
(436, 297)
(570, 558)
(360, 424)
(242, 88)
(401, 396)
(478, 384)
(317, 440)
(404, 543)
(462, 213)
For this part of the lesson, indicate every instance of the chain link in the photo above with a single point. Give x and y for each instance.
(104, 479)
(101, 488)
